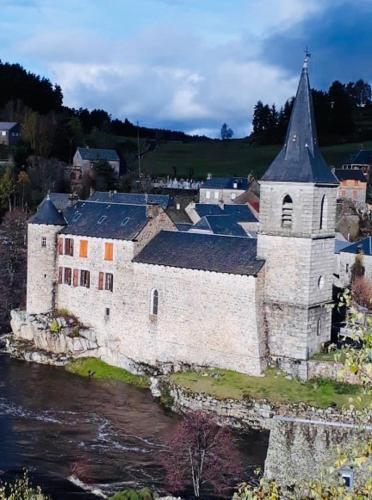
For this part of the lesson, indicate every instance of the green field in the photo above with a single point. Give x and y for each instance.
(234, 157)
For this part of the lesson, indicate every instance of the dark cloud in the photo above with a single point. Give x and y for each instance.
(339, 38)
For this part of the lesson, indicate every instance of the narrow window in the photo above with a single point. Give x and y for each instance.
(69, 246)
(318, 327)
(287, 212)
(75, 279)
(154, 302)
(83, 249)
(109, 251)
(216, 193)
(101, 277)
(85, 278)
(347, 268)
(109, 282)
(323, 213)
(43, 241)
(208, 195)
(233, 196)
(67, 276)
(60, 275)
(60, 246)
(107, 312)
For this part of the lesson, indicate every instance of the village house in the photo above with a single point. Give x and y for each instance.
(222, 189)
(362, 161)
(167, 298)
(353, 185)
(85, 159)
(347, 256)
(10, 133)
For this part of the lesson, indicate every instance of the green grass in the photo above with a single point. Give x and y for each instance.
(234, 157)
(274, 386)
(100, 370)
(329, 356)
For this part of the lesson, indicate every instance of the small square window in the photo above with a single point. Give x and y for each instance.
(43, 241)
(107, 312)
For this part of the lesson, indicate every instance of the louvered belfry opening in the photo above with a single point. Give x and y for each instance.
(287, 212)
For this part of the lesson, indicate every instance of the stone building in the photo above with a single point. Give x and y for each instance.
(85, 159)
(222, 189)
(169, 298)
(10, 133)
(347, 255)
(353, 184)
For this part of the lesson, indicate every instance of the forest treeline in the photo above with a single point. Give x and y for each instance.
(343, 114)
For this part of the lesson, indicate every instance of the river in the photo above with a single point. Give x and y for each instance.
(109, 433)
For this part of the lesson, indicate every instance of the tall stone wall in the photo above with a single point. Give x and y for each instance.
(306, 450)
(41, 267)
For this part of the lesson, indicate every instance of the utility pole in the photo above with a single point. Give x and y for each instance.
(138, 151)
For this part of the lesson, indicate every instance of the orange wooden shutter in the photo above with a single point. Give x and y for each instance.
(83, 248)
(109, 251)
(76, 277)
(100, 281)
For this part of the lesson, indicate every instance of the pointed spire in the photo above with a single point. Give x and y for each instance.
(48, 214)
(300, 159)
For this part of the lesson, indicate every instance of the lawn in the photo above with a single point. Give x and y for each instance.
(95, 368)
(274, 386)
(234, 157)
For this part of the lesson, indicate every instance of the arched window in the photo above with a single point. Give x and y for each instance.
(287, 212)
(154, 302)
(323, 212)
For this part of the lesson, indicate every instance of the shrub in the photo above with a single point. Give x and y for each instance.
(144, 494)
(54, 326)
(21, 489)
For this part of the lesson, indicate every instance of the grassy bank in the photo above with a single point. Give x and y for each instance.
(275, 387)
(95, 368)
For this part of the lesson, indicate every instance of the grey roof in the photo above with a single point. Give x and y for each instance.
(362, 157)
(95, 154)
(105, 220)
(300, 159)
(340, 245)
(60, 200)
(131, 198)
(346, 175)
(226, 183)
(220, 224)
(47, 214)
(242, 213)
(183, 226)
(364, 246)
(7, 125)
(221, 254)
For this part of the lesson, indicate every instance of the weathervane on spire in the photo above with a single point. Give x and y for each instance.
(307, 57)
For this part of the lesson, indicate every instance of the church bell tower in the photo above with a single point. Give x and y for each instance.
(296, 238)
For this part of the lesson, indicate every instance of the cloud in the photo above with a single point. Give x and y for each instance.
(339, 38)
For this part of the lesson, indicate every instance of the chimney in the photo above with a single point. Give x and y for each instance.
(209, 176)
(152, 211)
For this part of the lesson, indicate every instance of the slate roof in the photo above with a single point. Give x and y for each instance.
(183, 226)
(362, 157)
(131, 198)
(47, 214)
(364, 246)
(7, 125)
(226, 183)
(203, 209)
(221, 224)
(340, 245)
(347, 175)
(95, 154)
(242, 213)
(221, 254)
(300, 159)
(105, 220)
(60, 200)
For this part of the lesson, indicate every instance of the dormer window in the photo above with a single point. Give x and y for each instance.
(287, 212)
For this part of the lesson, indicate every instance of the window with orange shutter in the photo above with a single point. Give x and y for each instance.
(83, 248)
(109, 251)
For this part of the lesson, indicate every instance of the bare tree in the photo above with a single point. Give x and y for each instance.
(202, 454)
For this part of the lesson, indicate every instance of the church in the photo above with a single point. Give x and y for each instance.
(166, 298)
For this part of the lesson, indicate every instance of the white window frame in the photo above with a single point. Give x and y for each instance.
(207, 195)
(216, 195)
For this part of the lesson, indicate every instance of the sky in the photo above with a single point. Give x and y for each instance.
(187, 65)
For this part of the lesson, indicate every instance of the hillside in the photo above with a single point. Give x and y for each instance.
(233, 157)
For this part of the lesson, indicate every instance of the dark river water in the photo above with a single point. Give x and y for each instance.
(109, 433)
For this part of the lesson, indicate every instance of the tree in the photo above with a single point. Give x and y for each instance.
(226, 132)
(7, 189)
(104, 176)
(23, 182)
(201, 453)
